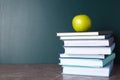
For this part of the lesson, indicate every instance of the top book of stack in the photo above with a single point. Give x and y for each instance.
(84, 33)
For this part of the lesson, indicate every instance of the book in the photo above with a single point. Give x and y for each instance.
(91, 42)
(83, 33)
(86, 62)
(85, 37)
(88, 71)
(95, 56)
(89, 50)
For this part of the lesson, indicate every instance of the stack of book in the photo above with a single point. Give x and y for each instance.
(87, 53)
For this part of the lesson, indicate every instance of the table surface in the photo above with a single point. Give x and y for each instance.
(46, 72)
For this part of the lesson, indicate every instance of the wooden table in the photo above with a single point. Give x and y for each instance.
(46, 72)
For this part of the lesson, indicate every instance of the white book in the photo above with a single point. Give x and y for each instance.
(85, 37)
(104, 72)
(91, 42)
(83, 33)
(89, 50)
(87, 62)
(96, 56)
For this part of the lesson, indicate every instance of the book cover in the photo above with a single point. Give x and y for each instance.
(104, 71)
(83, 33)
(85, 37)
(89, 50)
(95, 56)
(87, 62)
(91, 42)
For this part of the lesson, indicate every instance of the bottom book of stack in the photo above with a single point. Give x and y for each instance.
(89, 71)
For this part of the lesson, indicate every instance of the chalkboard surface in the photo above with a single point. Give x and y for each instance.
(28, 27)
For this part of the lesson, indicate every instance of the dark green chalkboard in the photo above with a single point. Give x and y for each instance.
(28, 27)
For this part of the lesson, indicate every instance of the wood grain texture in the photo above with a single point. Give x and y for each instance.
(46, 72)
